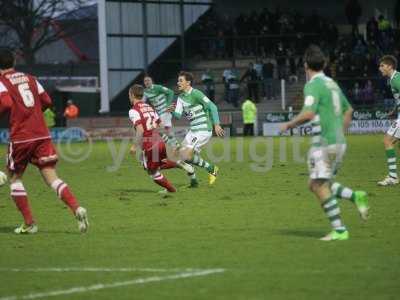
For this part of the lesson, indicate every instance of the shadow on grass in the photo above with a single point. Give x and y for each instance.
(305, 233)
(6, 229)
(60, 232)
(134, 191)
(10, 230)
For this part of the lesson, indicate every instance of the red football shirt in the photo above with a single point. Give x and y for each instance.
(143, 114)
(24, 98)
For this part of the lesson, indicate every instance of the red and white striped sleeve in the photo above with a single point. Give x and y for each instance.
(5, 98)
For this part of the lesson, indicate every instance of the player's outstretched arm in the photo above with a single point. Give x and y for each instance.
(169, 94)
(304, 117)
(215, 119)
(214, 113)
(347, 118)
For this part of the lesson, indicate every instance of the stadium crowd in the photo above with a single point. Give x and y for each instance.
(277, 40)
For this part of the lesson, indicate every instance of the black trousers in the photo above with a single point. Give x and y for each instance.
(248, 130)
(252, 88)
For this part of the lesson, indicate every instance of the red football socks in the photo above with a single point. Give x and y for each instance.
(65, 194)
(162, 181)
(20, 198)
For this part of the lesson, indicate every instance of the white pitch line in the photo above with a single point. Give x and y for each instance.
(102, 286)
(89, 269)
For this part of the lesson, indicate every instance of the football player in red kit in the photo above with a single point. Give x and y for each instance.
(23, 98)
(148, 140)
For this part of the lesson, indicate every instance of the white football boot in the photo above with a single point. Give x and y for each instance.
(388, 181)
(26, 229)
(82, 218)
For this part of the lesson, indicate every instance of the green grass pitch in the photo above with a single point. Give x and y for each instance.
(254, 235)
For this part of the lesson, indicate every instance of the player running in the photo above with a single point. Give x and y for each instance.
(330, 114)
(388, 66)
(24, 99)
(148, 140)
(160, 98)
(203, 116)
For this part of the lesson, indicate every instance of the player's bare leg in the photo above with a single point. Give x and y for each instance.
(322, 189)
(392, 178)
(20, 197)
(49, 175)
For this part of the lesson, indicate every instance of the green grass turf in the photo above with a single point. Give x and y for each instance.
(262, 228)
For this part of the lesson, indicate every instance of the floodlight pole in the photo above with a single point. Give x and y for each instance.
(104, 93)
(182, 17)
(145, 36)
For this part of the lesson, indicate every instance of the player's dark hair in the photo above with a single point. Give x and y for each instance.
(315, 58)
(188, 76)
(137, 91)
(389, 60)
(147, 76)
(7, 59)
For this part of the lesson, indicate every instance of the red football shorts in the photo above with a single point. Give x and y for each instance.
(40, 153)
(153, 155)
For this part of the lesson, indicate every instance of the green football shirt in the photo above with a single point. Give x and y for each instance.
(395, 86)
(198, 109)
(324, 98)
(159, 97)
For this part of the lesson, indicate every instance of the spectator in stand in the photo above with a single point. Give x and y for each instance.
(234, 87)
(292, 68)
(225, 75)
(258, 68)
(71, 111)
(368, 93)
(383, 24)
(385, 32)
(372, 30)
(353, 13)
(371, 68)
(209, 85)
(220, 44)
(342, 65)
(281, 61)
(356, 93)
(360, 48)
(268, 79)
(252, 82)
(349, 56)
(373, 49)
(332, 35)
